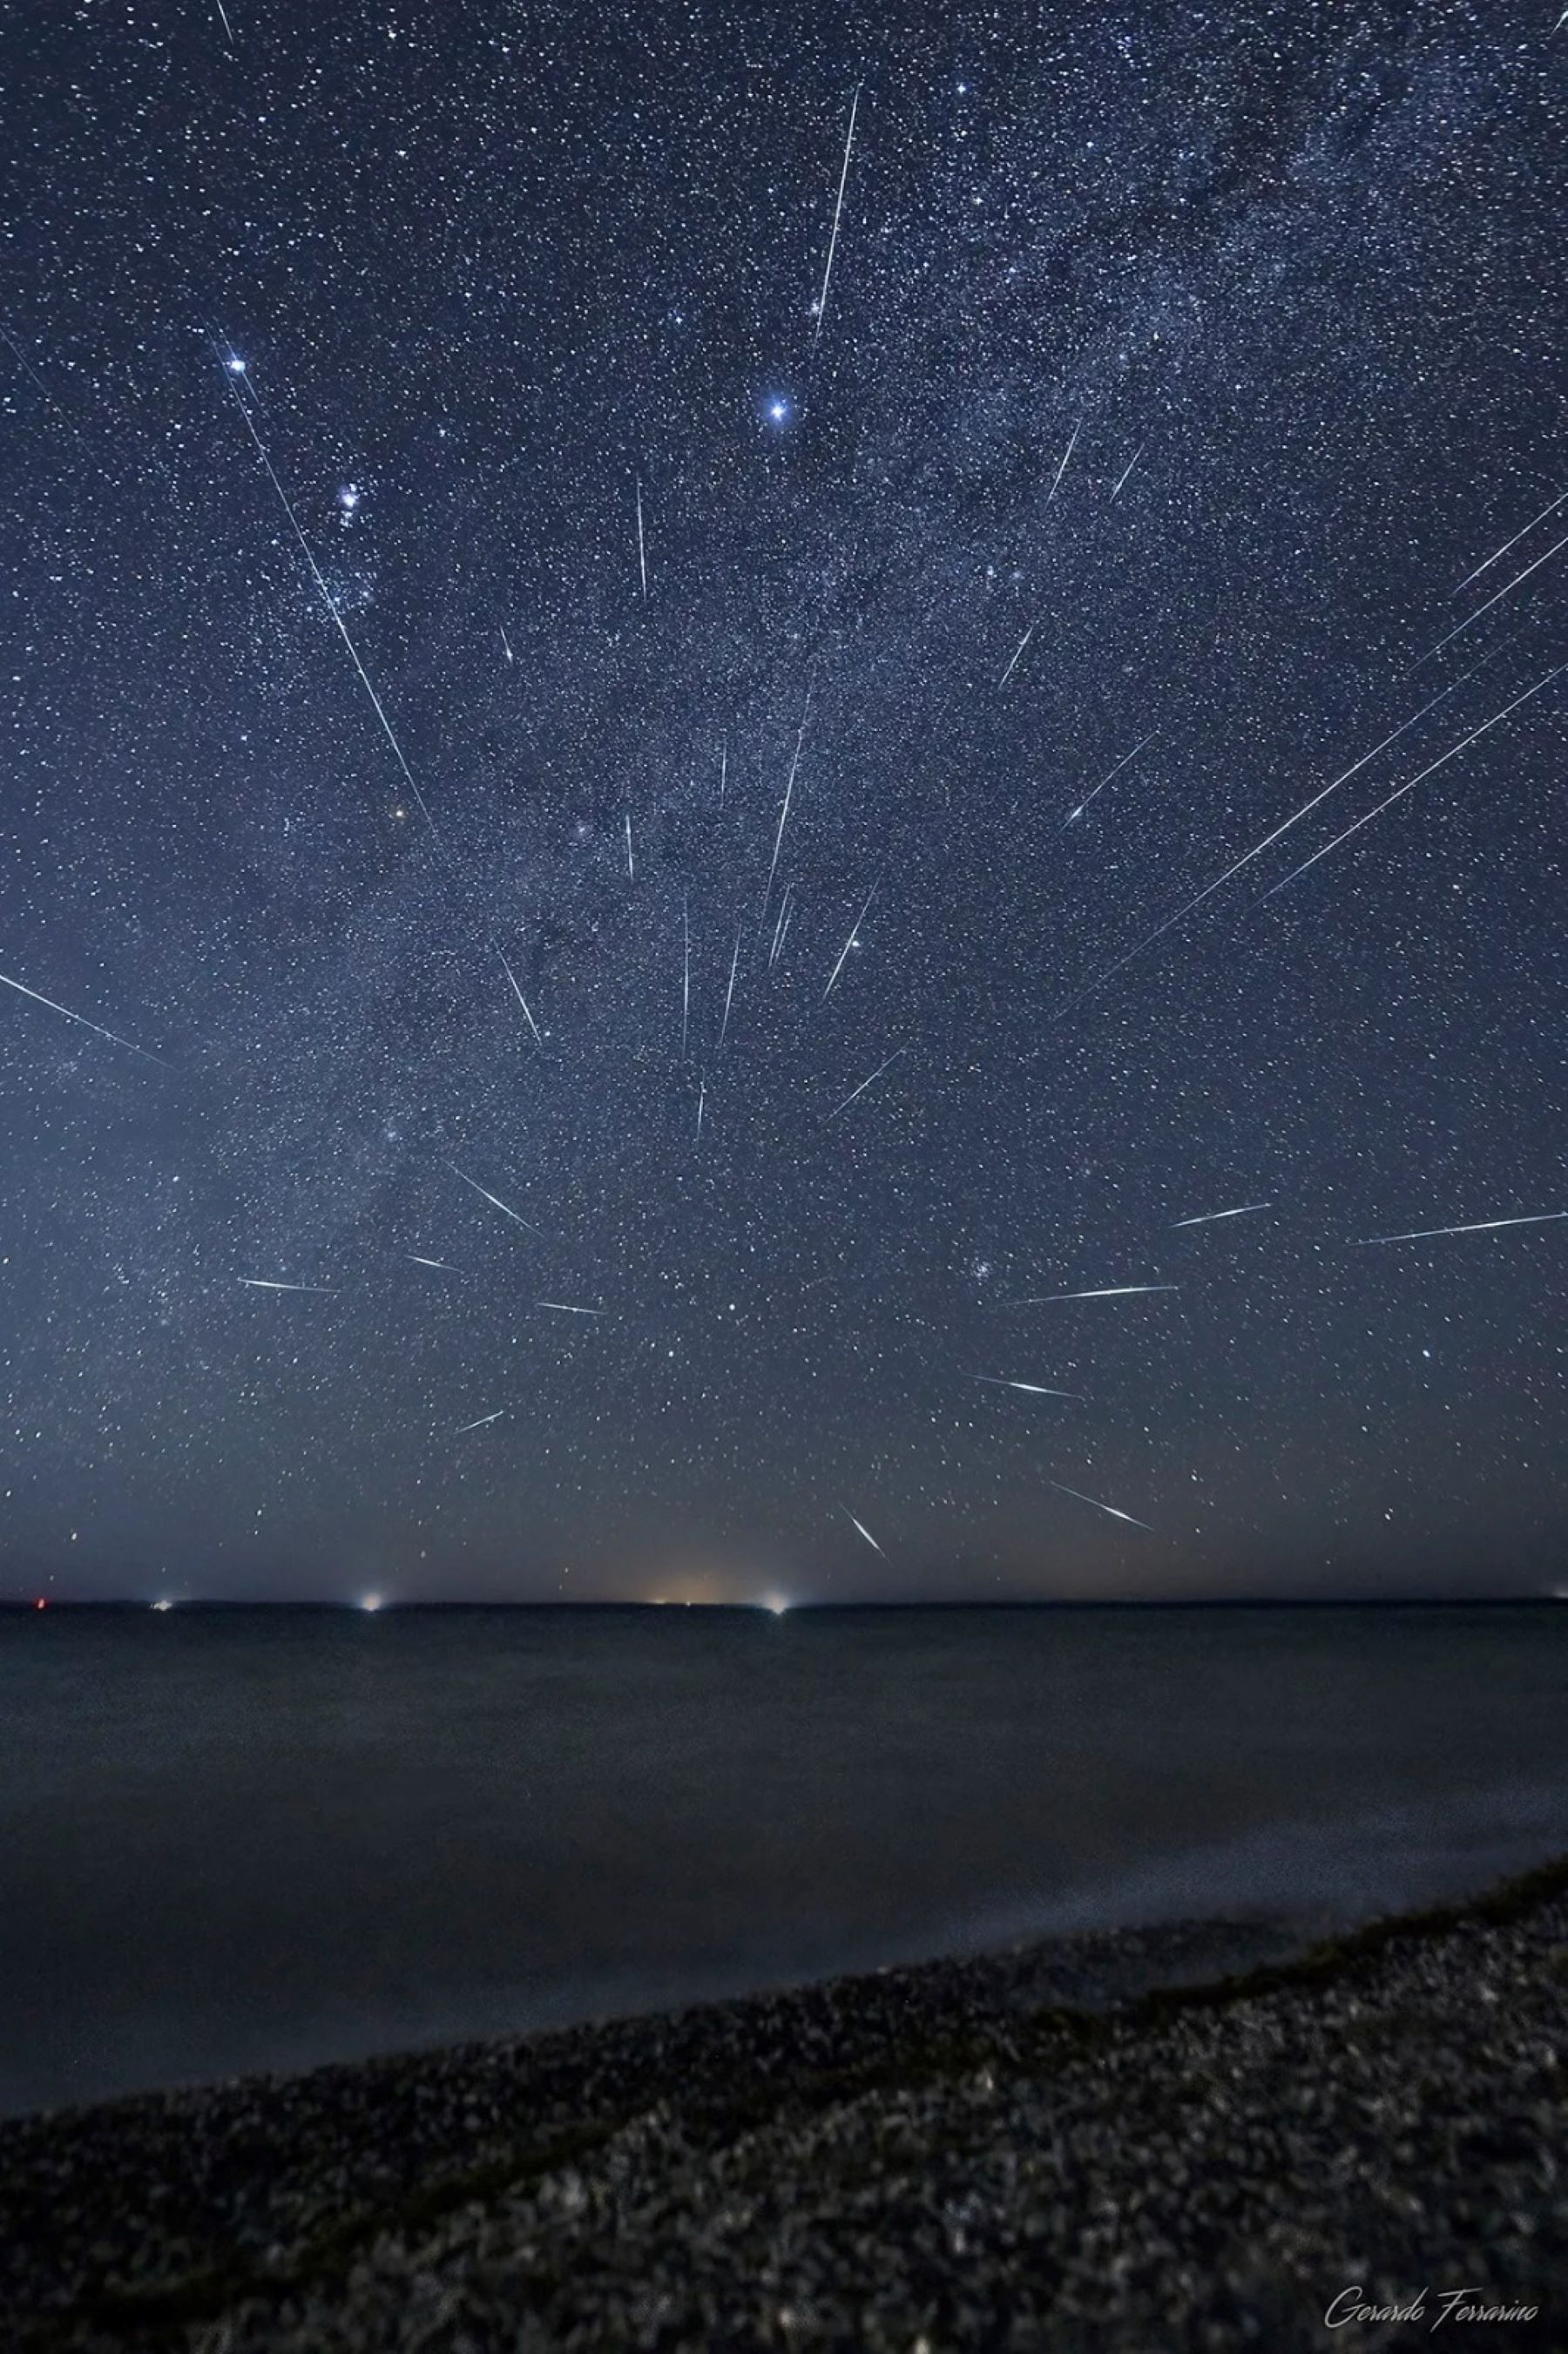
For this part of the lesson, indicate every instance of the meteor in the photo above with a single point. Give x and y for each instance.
(788, 795)
(565, 1308)
(439, 1263)
(1188, 908)
(641, 548)
(1127, 469)
(328, 601)
(686, 968)
(483, 1421)
(1109, 1291)
(838, 209)
(854, 931)
(630, 869)
(723, 767)
(702, 1099)
(1073, 815)
(96, 1027)
(864, 1532)
(780, 927)
(265, 1283)
(521, 1001)
(493, 1199)
(1063, 467)
(1033, 1388)
(1017, 650)
(505, 648)
(1207, 1217)
(1481, 1226)
(862, 1086)
(1461, 627)
(1487, 563)
(1431, 769)
(1099, 1506)
(729, 992)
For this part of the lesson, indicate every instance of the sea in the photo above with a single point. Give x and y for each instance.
(237, 1839)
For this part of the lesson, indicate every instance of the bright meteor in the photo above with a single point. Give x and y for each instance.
(1481, 1226)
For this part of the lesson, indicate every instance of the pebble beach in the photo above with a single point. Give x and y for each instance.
(1210, 2135)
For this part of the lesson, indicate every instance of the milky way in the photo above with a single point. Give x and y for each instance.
(581, 580)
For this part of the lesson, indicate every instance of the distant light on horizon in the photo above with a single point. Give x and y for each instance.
(163, 1602)
(371, 1601)
(776, 1603)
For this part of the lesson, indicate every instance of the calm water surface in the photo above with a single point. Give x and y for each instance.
(263, 1839)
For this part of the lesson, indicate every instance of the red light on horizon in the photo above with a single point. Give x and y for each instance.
(40, 1604)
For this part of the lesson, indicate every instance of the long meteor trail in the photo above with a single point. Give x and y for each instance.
(482, 1420)
(1431, 769)
(565, 1308)
(328, 601)
(864, 1532)
(96, 1027)
(1524, 530)
(1207, 1217)
(729, 992)
(1073, 815)
(1107, 1291)
(493, 1199)
(265, 1283)
(1481, 1226)
(1470, 618)
(1188, 908)
(838, 212)
(1036, 1389)
(521, 1001)
(862, 1086)
(1095, 1500)
(784, 812)
(855, 933)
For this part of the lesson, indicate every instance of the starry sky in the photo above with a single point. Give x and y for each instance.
(577, 579)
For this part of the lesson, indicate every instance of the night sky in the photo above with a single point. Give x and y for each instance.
(444, 525)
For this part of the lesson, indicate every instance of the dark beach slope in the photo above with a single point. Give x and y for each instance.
(1106, 2143)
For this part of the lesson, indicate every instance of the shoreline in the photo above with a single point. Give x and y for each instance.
(303, 2201)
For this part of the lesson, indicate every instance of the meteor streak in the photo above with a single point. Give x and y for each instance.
(1109, 1292)
(838, 209)
(1034, 1388)
(854, 931)
(264, 1283)
(1398, 794)
(1487, 562)
(641, 546)
(1461, 626)
(439, 1263)
(1099, 1506)
(1063, 467)
(482, 1422)
(327, 600)
(630, 869)
(1017, 650)
(1073, 815)
(723, 767)
(686, 968)
(779, 928)
(1090, 987)
(96, 1027)
(789, 796)
(1481, 1226)
(729, 992)
(521, 1001)
(228, 27)
(1127, 468)
(493, 1199)
(1207, 1217)
(864, 1532)
(565, 1308)
(862, 1086)
(702, 1099)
